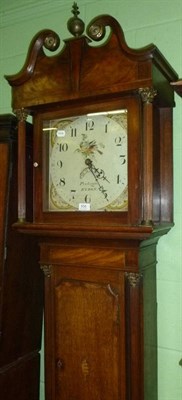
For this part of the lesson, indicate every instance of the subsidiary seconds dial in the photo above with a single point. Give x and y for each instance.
(87, 168)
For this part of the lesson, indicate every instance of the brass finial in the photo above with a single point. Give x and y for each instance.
(75, 10)
(75, 25)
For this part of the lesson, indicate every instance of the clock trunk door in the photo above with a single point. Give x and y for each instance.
(89, 335)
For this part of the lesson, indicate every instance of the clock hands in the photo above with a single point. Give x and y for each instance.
(89, 148)
(98, 174)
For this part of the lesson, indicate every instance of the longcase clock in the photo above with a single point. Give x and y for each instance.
(103, 196)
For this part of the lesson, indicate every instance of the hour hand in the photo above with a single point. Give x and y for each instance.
(98, 173)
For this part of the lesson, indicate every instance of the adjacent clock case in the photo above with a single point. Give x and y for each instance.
(81, 79)
(21, 283)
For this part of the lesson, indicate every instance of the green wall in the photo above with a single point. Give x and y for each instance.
(144, 22)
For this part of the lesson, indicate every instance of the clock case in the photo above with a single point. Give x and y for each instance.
(82, 78)
(100, 268)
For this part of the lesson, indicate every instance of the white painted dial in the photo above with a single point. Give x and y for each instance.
(88, 162)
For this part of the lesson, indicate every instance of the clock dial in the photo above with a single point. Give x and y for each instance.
(87, 162)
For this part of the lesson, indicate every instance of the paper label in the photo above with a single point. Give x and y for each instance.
(60, 133)
(84, 207)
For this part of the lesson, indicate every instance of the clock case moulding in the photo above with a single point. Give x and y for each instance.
(83, 77)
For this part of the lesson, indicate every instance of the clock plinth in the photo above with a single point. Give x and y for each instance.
(103, 196)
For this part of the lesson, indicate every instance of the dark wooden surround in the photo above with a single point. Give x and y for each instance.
(100, 268)
(21, 284)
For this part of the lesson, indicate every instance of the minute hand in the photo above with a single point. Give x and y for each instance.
(98, 174)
